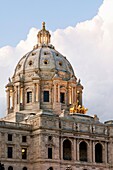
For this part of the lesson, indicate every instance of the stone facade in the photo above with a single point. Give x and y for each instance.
(46, 127)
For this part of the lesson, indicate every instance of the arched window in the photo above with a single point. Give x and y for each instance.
(83, 151)
(67, 150)
(50, 168)
(24, 168)
(98, 153)
(10, 168)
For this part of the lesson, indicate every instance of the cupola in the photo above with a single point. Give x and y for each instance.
(43, 36)
(43, 80)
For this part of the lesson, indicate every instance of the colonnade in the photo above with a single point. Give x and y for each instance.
(75, 150)
(68, 90)
(17, 94)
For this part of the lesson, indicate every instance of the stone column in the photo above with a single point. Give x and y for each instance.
(8, 100)
(93, 151)
(74, 150)
(34, 92)
(58, 93)
(77, 150)
(61, 150)
(70, 102)
(66, 97)
(105, 153)
(72, 95)
(23, 96)
(18, 93)
(18, 97)
(51, 91)
(22, 102)
(38, 92)
(54, 93)
(90, 151)
(12, 99)
(65, 94)
(38, 98)
(110, 152)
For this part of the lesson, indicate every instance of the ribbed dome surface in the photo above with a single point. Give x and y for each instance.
(46, 62)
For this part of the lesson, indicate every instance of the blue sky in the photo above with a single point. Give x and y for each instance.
(18, 16)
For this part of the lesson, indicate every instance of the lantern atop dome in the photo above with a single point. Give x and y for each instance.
(43, 36)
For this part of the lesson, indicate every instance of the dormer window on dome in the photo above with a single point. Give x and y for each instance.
(43, 36)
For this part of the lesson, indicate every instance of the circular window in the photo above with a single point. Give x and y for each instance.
(60, 63)
(30, 63)
(45, 53)
(45, 61)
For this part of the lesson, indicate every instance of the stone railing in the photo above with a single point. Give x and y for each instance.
(85, 127)
(15, 125)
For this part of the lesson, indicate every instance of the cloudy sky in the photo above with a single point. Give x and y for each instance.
(82, 31)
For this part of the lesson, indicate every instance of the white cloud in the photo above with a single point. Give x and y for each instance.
(89, 47)
(106, 11)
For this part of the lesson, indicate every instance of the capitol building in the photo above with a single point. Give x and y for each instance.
(46, 126)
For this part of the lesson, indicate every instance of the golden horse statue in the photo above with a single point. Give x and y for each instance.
(78, 108)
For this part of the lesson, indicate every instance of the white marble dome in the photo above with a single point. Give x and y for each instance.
(44, 61)
(43, 79)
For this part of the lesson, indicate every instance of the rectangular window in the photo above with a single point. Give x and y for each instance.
(9, 152)
(24, 139)
(62, 97)
(46, 96)
(24, 153)
(49, 153)
(29, 97)
(9, 137)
